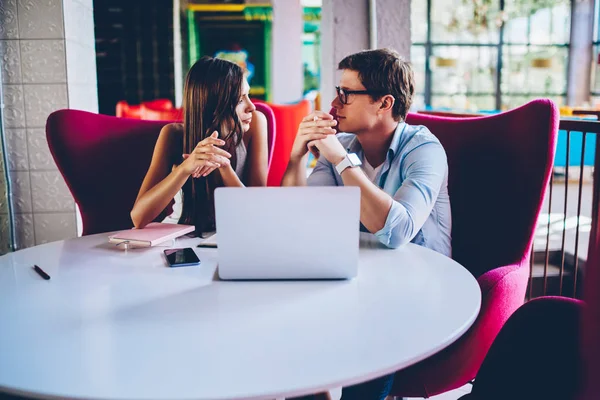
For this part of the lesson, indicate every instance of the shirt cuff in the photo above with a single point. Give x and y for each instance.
(385, 234)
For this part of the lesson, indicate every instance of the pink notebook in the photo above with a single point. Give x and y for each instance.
(152, 234)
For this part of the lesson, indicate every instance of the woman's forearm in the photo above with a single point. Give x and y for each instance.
(150, 204)
(295, 174)
(230, 178)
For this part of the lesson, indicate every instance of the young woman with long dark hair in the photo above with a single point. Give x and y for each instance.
(222, 142)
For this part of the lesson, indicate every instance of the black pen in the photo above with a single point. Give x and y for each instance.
(211, 245)
(41, 272)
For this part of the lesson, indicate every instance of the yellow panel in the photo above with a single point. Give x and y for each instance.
(224, 7)
(257, 90)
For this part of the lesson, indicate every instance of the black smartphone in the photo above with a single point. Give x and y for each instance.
(181, 257)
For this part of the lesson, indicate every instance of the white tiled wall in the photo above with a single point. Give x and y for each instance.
(47, 54)
(40, 19)
(4, 223)
(9, 28)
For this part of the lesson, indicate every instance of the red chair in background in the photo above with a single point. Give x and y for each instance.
(163, 110)
(126, 110)
(158, 114)
(160, 104)
(499, 167)
(287, 119)
(103, 160)
(176, 114)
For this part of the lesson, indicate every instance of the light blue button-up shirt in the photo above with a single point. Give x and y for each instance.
(415, 174)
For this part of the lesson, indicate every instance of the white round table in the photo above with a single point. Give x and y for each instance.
(112, 324)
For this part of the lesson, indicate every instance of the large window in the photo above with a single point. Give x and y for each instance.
(489, 54)
(311, 47)
(595, 92)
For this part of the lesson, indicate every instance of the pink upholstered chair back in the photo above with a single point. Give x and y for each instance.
(103, 160)
(287, 119)
(271, 132)
(535, 355)
(549, 347)
(499, 167)
(590, 345)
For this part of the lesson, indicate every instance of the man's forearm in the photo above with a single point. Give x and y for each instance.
(295, 174)
(375, 204)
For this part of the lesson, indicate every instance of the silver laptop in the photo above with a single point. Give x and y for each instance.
(288, 232)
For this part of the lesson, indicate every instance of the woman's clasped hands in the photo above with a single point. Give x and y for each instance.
(206, 157)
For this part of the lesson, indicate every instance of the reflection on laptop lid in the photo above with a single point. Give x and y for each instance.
(288, 232)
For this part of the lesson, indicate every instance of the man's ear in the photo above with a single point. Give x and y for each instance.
(387, 102)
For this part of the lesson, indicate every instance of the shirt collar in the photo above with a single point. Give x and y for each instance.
(355, 147)
(395, 144)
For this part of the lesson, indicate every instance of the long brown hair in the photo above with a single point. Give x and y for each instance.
(212, 92)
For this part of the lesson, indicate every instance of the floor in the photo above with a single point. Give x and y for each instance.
(555, 219)
(452, 395)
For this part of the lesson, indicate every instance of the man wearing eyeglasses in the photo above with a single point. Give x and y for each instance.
(401, 169)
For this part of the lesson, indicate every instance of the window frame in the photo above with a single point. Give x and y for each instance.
(500, 46)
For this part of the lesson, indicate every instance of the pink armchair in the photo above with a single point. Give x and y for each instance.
(271, 127)
(549, 348)
(499, 167)
(104, 159)
(536, 354)
(287, 119)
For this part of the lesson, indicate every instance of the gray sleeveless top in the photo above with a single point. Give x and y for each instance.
(174, 209)
(241, 154)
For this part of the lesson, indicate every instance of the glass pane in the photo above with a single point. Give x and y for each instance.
(418, 103)
(559, 100)
(515, 30)
(311, 48)
(418, 21)
(481, 103)
(459, 21)
(462, 69)
(596, 70)
(463, 102)
(551, 25)
(417, 59)
(533, 22)
(510, 102)
(456, 101)
(596, 15)
(536, 70)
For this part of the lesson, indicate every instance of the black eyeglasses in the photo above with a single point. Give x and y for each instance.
(343, 93)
